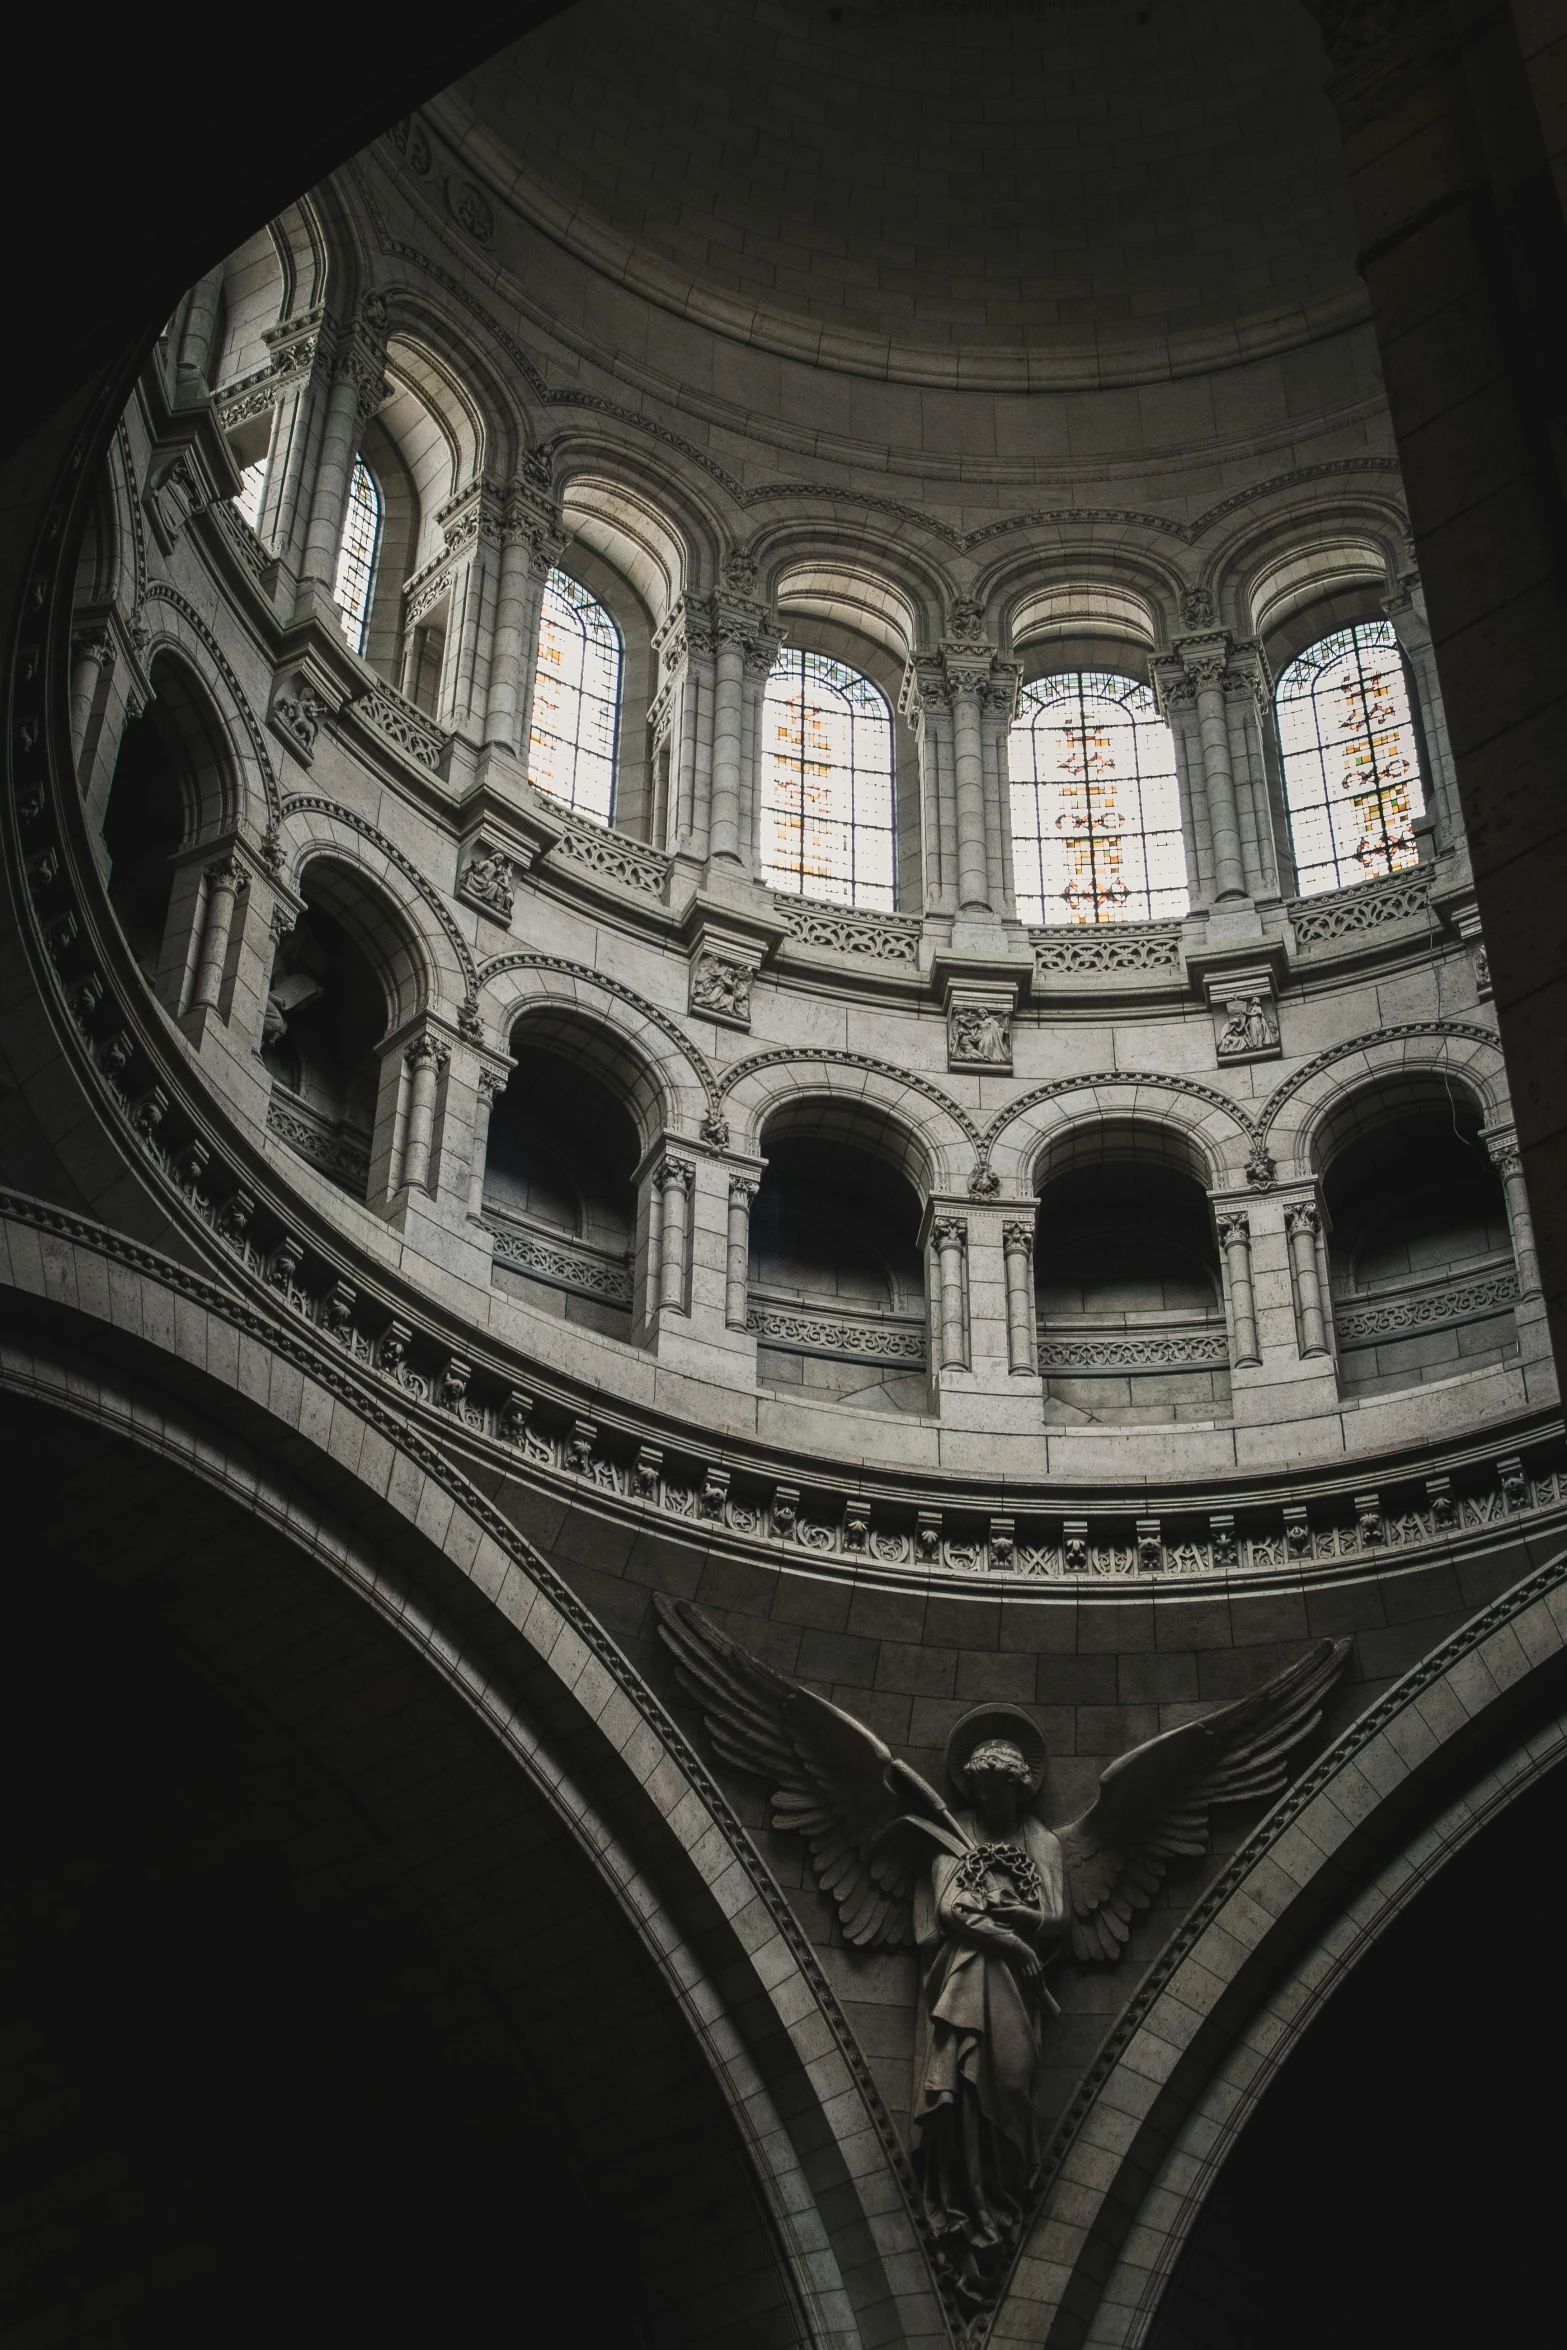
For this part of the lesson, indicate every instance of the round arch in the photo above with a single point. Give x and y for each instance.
(315, 1459)
(1206, 1132)
(1336, 1860)
(941, 1142)
(638, 1050)
(1296, 1115)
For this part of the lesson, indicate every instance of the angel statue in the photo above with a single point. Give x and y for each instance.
(987, 1894)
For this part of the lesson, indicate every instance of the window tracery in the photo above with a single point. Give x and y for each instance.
(358, 553)
(1096, 816)
(826, 787)
(1352, 779)
(576, 701)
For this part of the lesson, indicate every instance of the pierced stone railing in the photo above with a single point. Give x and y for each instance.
(383, 708)
(1431, 1305)
(1092, 947)
(1200, 1344)
(560, 1263)
(878, 938)
(1345, 913)
(339, 1154)
(614, 855)
(842, 1337)
(241, 537)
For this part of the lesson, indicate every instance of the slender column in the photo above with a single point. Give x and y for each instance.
(492, 1083)
(226, 877)
(1508, 1161)
(1235, 1240)
(1017, 1239)
(1229, 873)
(196, 342)
(1302, 1224)
(357, 391)
(92, 652)
(973, 861)
(426, 1059)
(725, 834)
(674, 1180)
(760, 656)
(737, 1271)
(531, 541)
(951, 1237)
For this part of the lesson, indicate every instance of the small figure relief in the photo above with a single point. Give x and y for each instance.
(722, 989)
(487, 882)
(979, 1033)
(988, 1895)
(1250, 1028)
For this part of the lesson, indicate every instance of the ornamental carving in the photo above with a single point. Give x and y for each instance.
(1249, 1032)
(979, 1036)
(883, 938)
(488, 881)
(470, 209)
(1108, 946)
(297, 715)
(721, 988)
(1347, 913)
(988, 1895)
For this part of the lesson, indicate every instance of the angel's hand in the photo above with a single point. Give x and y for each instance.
(1021, 1916)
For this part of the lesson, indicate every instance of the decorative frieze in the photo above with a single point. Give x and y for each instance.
(880, 938)
(1347, 913)
(611, 855)
(398, 722)
(1426, 1309)
(1176, 1350)
(562, 1264)
(842, 1337)
(1095, 948)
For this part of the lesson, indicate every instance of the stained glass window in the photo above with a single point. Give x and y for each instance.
(576, 700)
(1096, 811)
(827, 799)
(1351, 767)
(356, 556)
(252, 481)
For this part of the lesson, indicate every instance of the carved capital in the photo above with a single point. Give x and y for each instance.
(675, 1174)
(1017, 1237)
(744, 1188)
(949, 1232)
(425, 1052)
(1234, 1228)
(1304, 1218)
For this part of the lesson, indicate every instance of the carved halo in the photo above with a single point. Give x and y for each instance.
(996, 1721)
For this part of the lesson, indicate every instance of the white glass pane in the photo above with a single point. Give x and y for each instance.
(576, 700)
(1351, 768)
(827, 822)
(1096, 814)
(356, 556)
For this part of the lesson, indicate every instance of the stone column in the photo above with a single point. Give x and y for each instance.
(531, 543)
(92, 652)
(225, 879)
(968, 751)
(1000, 705)
(724, 839)
(1022, 1346)
(358, 389)
(737, 1273)
(1235, 1240)
(761, 656)
(1302, 1223)
(1405, 609)
(673, 1180)
(491, 1085)
(425, 1058)
(950, 1237)
(1206, 663)
(195, 359)
(1508, 1161)
(926, 702)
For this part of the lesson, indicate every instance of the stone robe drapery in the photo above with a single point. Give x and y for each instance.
(977, 2053)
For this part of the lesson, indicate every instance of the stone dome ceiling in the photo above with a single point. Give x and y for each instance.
(998, 195)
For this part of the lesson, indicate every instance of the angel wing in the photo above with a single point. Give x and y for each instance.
(870, 1820)
(1154, 1802)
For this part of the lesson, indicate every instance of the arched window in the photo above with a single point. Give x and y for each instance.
(827, 801)
(1096, 811)
(356, 557)
(1351, 766)
(576, 701)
